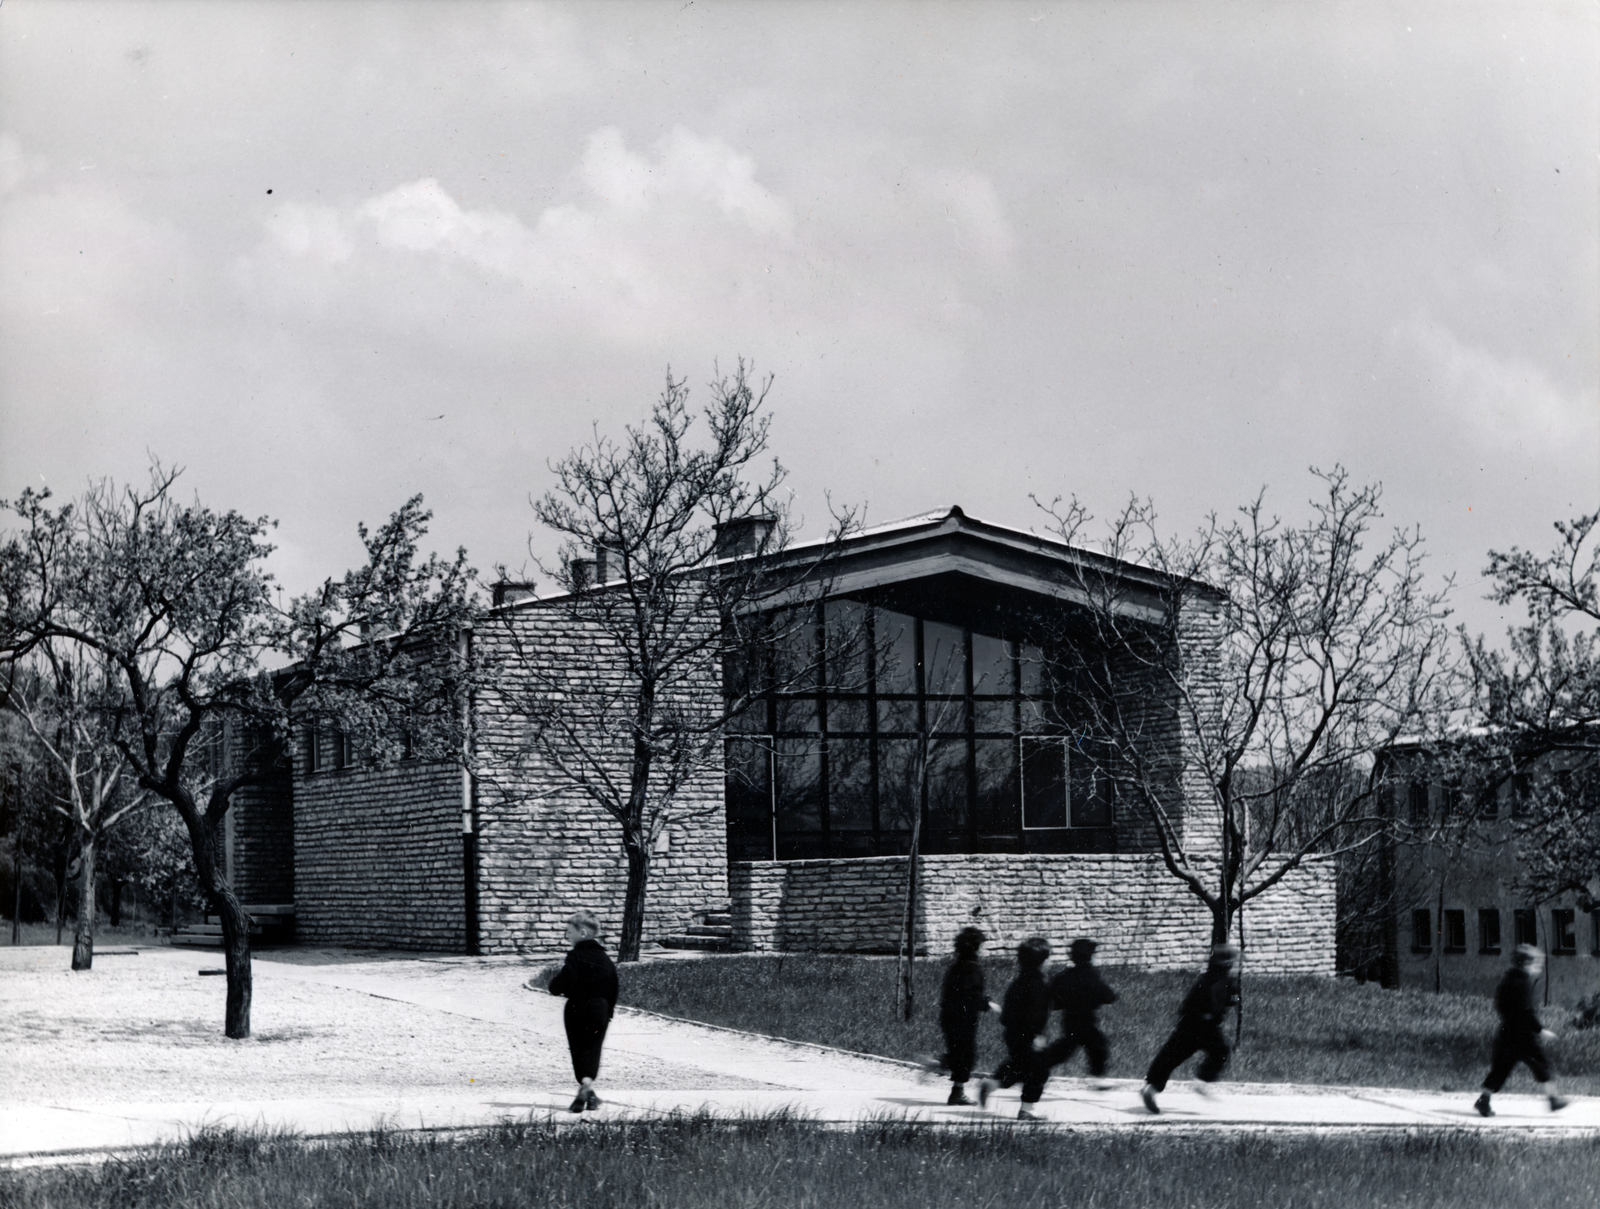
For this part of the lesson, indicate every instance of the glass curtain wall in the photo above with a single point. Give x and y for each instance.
(870, 716)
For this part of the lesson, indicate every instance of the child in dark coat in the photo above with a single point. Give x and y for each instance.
(1519, 1037)
(589, 982)
(1079, 992)
(1024, 1017)
(1199, 1025)
(962, 1001)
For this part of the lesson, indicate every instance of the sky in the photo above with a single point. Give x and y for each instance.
(328, 255)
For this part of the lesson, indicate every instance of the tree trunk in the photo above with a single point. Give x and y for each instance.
(638, 853)
(83, 940)
(235, 928)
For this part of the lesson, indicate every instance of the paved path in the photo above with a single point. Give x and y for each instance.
(713, 1070)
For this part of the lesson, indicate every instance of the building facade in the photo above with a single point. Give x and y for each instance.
(931, 700)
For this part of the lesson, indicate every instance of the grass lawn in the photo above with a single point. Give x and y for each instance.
(1297, 1030)
(693, 1162)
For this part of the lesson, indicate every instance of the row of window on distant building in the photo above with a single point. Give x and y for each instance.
(1452, 933)
(1453, 797)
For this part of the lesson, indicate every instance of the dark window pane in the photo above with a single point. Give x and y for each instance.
(997, 805)
(1091, 787)
(895, 644)
(847, 646)
(1421, 931)
(1417, 801)
(947, 784)
(749, 799)
(1031, 664)
(797, 774)
(1526, 920)
(994, 716)
(849, 714)
(1044, 782)
(897, 716)
(1563, 931)
(1035, 716)
(944, 658)
(750, 720)
(991, 665)
(1488, 930)
(948, 716)
(899, 791)
(849, 784)
(797, 713)
(1455, 931)
(796, 652)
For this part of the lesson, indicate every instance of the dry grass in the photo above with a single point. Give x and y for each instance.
(1296, 1030)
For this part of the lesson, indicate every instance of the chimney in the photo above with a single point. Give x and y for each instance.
(508, 591)
(607, 562)
(746, 536)
(582, 573)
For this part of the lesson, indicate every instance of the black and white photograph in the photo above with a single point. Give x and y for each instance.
(716, 603)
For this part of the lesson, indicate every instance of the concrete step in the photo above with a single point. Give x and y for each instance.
(708, 944)
(724, 930)
(718, 919)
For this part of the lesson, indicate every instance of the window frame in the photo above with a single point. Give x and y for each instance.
(1453, 930)
(1488, 926)
(1563, 932)
(1525, 924)
(1421, 930)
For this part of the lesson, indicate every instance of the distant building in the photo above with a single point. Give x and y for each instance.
(1453, 903)
(799, 840)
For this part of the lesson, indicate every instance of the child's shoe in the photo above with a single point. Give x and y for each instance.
(591, 1100)
(1102, 1085)
(986, 1088)
(1482, 1105)
(1557, 1103)
(958, 1095)
(1025, 1114)
(1148, 1095)
(581, 1103)
(1202, 1088)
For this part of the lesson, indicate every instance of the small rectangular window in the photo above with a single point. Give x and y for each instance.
(1421, 931)
(1488, 930)
(344, 750)
(1564, 931)
(1521, 794)
(314, 761)
(1417, 801)
(1527, 925)
(1450, 798)
(1455, 931)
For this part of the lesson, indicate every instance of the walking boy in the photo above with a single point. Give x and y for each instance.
(589, 981)
(1024, 1016)
(1519, 1037)
(1199, 1025)
(1080, 992)
(961, 1002)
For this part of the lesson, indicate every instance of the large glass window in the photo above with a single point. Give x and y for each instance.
(870, 719)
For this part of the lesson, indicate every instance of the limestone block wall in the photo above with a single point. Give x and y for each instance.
(378, 857)
(1140, 915)
(545, 848)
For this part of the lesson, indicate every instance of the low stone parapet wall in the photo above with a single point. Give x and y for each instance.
(1138, 912)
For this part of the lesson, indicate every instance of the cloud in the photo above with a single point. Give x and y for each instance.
(1500, 400)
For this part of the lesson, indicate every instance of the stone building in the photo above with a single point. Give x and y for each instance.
(799, 838)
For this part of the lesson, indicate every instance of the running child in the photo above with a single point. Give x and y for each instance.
(1024, 1017)
(1199, 1025)
(962, 1001)
(1520, 1035)
(1079, 992)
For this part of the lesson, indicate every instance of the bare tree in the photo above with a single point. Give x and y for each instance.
(172, 601)
(1240, 722)
(671, 565)
(66, 698)
(1539, 705)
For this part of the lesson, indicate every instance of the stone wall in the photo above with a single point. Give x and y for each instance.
(1138, 912)
(547, 849)
(378, 857)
